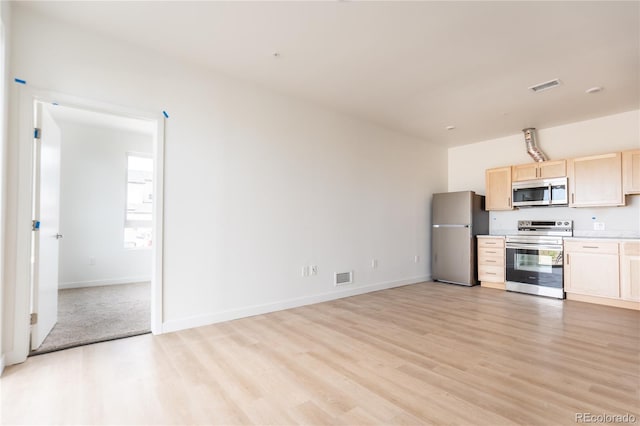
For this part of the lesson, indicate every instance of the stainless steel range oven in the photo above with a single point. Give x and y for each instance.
(534, 257)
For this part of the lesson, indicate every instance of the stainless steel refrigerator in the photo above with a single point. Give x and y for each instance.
(457, 217)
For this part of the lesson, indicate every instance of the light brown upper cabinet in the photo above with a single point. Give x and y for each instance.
(546, 169)
(596, 180)
(498, 188)
(631, 172)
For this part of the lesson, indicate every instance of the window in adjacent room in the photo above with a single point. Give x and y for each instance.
(137, 226)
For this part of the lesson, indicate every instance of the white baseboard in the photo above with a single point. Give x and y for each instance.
(201, 320)
(112, 281)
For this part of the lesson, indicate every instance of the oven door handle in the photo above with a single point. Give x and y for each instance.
(533, 247)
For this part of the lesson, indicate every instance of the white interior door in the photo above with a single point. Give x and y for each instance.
(46, 239)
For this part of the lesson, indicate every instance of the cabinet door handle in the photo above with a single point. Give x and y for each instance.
(491, 273)
(491, 261)
(491, 251)
(573, 198)
(590, 247)
(509, 201)
(567, 261)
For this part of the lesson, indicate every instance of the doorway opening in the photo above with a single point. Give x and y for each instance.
(94, 221)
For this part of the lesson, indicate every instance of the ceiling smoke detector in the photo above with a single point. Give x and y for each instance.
(545, 86)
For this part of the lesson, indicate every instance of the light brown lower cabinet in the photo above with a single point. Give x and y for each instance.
(599, 271)
(592, 268)
(630, 271)
(491, 262)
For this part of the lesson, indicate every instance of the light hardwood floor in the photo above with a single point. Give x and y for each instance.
(427, 353)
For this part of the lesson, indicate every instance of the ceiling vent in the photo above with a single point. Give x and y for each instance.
(545, 86)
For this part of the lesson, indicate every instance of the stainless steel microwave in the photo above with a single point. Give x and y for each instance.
(540, 192)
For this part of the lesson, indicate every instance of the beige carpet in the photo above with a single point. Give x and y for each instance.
(95, 314)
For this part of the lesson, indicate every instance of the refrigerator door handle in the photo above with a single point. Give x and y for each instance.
(451, 226)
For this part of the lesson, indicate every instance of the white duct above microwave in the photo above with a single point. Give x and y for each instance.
(532, 146)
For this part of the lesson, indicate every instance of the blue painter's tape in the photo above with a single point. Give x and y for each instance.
(165, 114)
(37, 225)
(17, 80)
(36, 133)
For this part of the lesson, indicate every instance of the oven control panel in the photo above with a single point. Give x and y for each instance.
(546, 226)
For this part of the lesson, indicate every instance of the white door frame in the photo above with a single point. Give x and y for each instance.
(25, 125)
(46, 242)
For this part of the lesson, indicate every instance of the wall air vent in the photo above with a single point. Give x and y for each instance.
(343, 278)
(545, 86)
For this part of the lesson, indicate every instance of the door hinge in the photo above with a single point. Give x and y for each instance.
(35, 225)
(34, 318)
(37, 133)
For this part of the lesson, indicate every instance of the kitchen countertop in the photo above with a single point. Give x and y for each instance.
(606, 234)
(580, 235)
(574, 238)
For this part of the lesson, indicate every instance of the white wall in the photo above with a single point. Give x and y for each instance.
(93, 193)
(257, 184)
(5, 13)
(618, 132)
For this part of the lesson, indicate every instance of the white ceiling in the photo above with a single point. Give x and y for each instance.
(416, 67)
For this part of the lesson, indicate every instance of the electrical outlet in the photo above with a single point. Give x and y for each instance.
(416, 259)
(598, 226)
(305, 271)
(374, 263)
(313, 270)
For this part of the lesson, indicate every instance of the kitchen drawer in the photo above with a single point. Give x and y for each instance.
(491, 273)
(631, 248)
(491, 254)
(491, 242)
(491, 261)
(602, 247)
